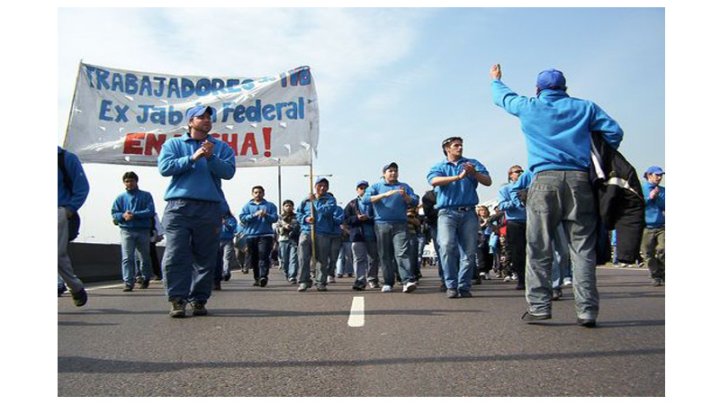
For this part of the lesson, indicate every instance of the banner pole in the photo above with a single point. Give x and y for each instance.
(312, 214)
(72, 105)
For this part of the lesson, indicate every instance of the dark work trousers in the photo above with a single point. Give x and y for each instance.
(517, 242)
(259, 250)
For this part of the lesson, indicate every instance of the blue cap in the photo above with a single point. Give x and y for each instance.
(389, 165)
(321, 179)
(654, 170)
(197, 111)
(362, 183)
(551, 79)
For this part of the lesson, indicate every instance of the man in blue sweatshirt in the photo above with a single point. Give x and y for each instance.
(391, 199)
(73, 189)
(653, 241)
(258, 217)
(196, 163)
(316, 215)
(455, 179)
(360, 218)
(133, 212)
(557, 131)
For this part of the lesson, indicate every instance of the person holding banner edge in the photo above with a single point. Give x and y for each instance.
(196, 163)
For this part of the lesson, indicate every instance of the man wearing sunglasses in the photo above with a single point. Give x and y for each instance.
(455, 180)
(516, 224)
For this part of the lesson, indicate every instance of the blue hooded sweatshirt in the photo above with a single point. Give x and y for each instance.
(654, 208)
(324, 215)
(557, 127)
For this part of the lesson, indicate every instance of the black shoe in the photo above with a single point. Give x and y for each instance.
(657, 282)
(227, 276)
(452, 293)
(556, 294)
(128, 288)
(198, 308)
(358, 287)
(443, 287)
(465, 294)
(588, 323)
(145, 284)
(256, 283)
(178, 309)
(61, 290)
(528, 317)
(263, 282)
(79, 298)
(216, 286)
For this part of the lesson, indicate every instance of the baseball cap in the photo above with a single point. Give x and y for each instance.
(389, 165)
(654, 170)
(197, 111)
(551, 79)
(362, 183)
(321, 179)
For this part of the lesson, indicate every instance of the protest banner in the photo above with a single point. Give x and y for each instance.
(124, 117)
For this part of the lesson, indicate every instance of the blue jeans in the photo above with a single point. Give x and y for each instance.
(192, 237)
(365, 261)
(289, 255)
(394, 251)
(433, 235)
(554, 198)
(322, 256)
(130, 240)
(561, 263)
(457, 233)
(344, 265)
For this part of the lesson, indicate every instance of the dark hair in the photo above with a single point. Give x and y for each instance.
(448, 141)
(288, 202)
(260, 187)
(130, 175)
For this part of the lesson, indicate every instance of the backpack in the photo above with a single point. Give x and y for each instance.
(74, 220)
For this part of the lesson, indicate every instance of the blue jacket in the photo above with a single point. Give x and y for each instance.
(655, 208)
(392, 209)
(140, 203)
(199, 180)
(557, 127)
(75, 198)
(338, 219)
(514, 209)
(459, 193)
(229, 228)
(324, 214)
(256, 226)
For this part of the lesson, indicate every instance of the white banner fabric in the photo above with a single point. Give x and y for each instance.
(123, 117)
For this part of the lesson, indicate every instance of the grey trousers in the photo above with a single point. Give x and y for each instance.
(561, 197)
(65, 269)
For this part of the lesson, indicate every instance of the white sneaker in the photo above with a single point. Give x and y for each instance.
(507, 279)
(386, 288)
(483, 276)
(409, 287)
(514, 276)
(331, 279)
(567, 281)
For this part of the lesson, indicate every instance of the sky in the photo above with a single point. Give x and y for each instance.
(392, 83)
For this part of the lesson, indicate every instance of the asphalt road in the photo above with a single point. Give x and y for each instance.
(276, 342)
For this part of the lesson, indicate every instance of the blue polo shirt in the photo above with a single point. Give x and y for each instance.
(392, 209)
(461, 193)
